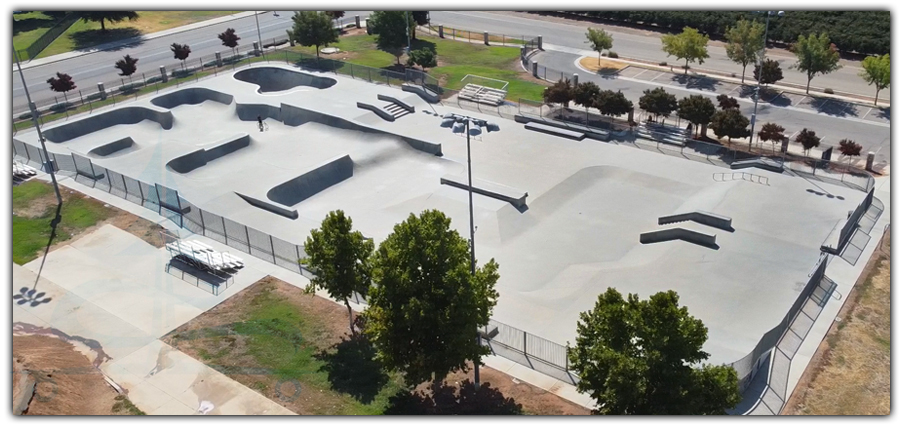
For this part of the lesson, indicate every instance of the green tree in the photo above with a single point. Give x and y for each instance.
(334, 15)
(849, 149)
(599, 39)
(726, 102)
(230, 39)
(808, 139)
(876, 70)
(697, 109)
(815, 55)
(771, 132)
(561, 92)
(340, 258)
(689, 45)
(658, 102)
(313, 28)
(730, 123)
(111, 16)
(585, 94)
(744, 42)
(426, 305)
(424, 57)
(613, 103)
(644, 357)
(771, 72)
(421, 18)
(390, 29)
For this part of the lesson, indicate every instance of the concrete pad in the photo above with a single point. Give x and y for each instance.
(173, 407)
(62, 303)
(24, 316)
(153, 312)
(92, 322)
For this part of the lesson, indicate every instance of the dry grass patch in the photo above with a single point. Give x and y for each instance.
(601, 65)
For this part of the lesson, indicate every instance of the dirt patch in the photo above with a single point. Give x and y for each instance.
(850, 373)
(37, 207)
(604, 65)
(65, 381)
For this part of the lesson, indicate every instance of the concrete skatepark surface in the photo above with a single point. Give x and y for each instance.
(588, 201)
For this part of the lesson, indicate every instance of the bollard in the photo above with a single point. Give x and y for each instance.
(368, 29)
(102, 90)
(486, 42)
(290, 37)
(33, 106)
(441, 31)
(218, 59)
(357, 22)
(534, 68)
(162, 73)
(256, 48)
(784, 145)
(540, 42)
(870, 161)
(575, 79)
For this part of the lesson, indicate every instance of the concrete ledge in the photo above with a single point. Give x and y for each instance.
(398, 102)
(249, 111)
(426, 95)
(489, 189)
(760, 162)
(198, 158)
(598, 134)
(683, 234)
(556, 131)
(700, 217)
(300, 188)
(117, 147)
(378, 111)
(105, 120)
(267, 206)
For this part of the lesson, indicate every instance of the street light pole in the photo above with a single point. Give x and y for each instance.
(48, 164)
(472, 238)
(408, 44)
(759, 76)
(259, 35)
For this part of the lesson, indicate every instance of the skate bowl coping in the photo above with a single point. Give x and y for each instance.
(123, 145)
(300, 188)
(198, 158)
(191, 96)
(96, 123)
(694, 237)
(273, 79)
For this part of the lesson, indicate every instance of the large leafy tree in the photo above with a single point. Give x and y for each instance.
(313, 28)
(645, 357)
(815, 55)
(334, 15)
(561, 92)
(585, 94)
(390, 29)
(876, 70)
(112, 16)
(426, 306)
(658, 102)
(599, 40)
(689, 45)
(62, 83)
(731, 123)
(697, 109)
(420, 18)
(744, 42)
(808, 139)
(181, 52)
(613, 103)
(771, 132)
(127, 66)
(769, 73)
(229, 39)
(340, 258)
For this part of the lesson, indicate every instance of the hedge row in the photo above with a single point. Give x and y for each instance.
(863, 32)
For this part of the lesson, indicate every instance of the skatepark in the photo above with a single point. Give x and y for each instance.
(738, 250)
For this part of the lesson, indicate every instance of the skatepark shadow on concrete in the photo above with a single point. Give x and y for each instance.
(444, 399)
(754, 392)
(352, 368)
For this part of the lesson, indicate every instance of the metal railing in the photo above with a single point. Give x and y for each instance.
(476, 36)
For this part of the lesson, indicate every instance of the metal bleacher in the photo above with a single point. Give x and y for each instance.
(482, 94)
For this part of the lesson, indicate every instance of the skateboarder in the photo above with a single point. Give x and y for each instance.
(259, 120)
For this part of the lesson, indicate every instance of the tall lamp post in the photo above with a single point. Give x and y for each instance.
(48, 164)
(760, 60)
(462, 123)
(259, 35)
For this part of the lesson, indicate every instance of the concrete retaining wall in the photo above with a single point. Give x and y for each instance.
(125, 115)
(274, 79)
(686, 235)
(249, 111)
(598, 134)
(700, 217)
(120, 145)
(196, 159)
(267, 206)
(191, 96)
(305, 186)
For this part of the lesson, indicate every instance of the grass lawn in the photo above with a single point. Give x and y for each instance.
(27, 28)
(83, 35)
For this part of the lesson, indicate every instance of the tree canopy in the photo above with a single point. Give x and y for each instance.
(599, 40)
(730, 123)
(127, 65)
(745, 41)
(426, 306)
(112, 16)
(849, 148)
(697, 109)
(61, 83)
(771, 132)
(658, 102)
(808, 139)
(340, 258)
(390, 29)
(815, 55)
(585, 94)
(560, 92)
(645, 357)
(424, 57)
(689, 45)
(876, 70)
(229, 38)
(771, 72)
(613, 103)
(313, 28)
(726, 102)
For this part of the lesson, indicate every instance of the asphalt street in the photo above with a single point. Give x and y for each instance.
(870, 129)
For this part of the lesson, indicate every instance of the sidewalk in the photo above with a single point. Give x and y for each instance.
(74, 54)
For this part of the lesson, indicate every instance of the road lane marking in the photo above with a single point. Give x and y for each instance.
(638, 74)
(657, 77)
(867, 112)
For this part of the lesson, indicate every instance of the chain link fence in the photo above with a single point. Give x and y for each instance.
(48, 37)
(448, 32)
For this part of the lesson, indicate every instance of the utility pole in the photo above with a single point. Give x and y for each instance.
(259, 35)
(760, 61)
(48, 164)
(408, 43)
(472, 240)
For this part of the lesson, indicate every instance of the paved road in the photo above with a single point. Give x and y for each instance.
(871, 129)
(96, 67)
(643, 47)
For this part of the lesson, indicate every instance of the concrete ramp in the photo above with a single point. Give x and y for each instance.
(250, 111)
(191, 96)
(311, 183)
(198, 158)
(115, 148)
(274, 79)
(270, 207)
(488, 189)
(763, 163)
(678, 233)
(700, 217)
(115, 117)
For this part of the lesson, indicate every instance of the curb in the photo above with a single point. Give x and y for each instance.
(113, 44)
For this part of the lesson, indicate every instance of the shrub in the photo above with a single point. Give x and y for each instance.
(829, 91)
(612, 55)
(663, 64)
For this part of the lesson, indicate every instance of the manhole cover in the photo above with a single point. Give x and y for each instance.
(330, 50)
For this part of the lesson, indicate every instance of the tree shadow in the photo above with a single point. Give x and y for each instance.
(444, 399)
(353, 370)
(696, 82)
(87, 39)
(883, 113)
(830, 106)
(29, 24)
(421, 43)
(609, 72)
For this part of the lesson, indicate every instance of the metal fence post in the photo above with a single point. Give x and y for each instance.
(224, 230)
(525, 342)
(247, 233)
(272, 246)
(298, 254)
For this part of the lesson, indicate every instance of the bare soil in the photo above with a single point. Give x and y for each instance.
(66, 382)
(850, 374)
(607, 65)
